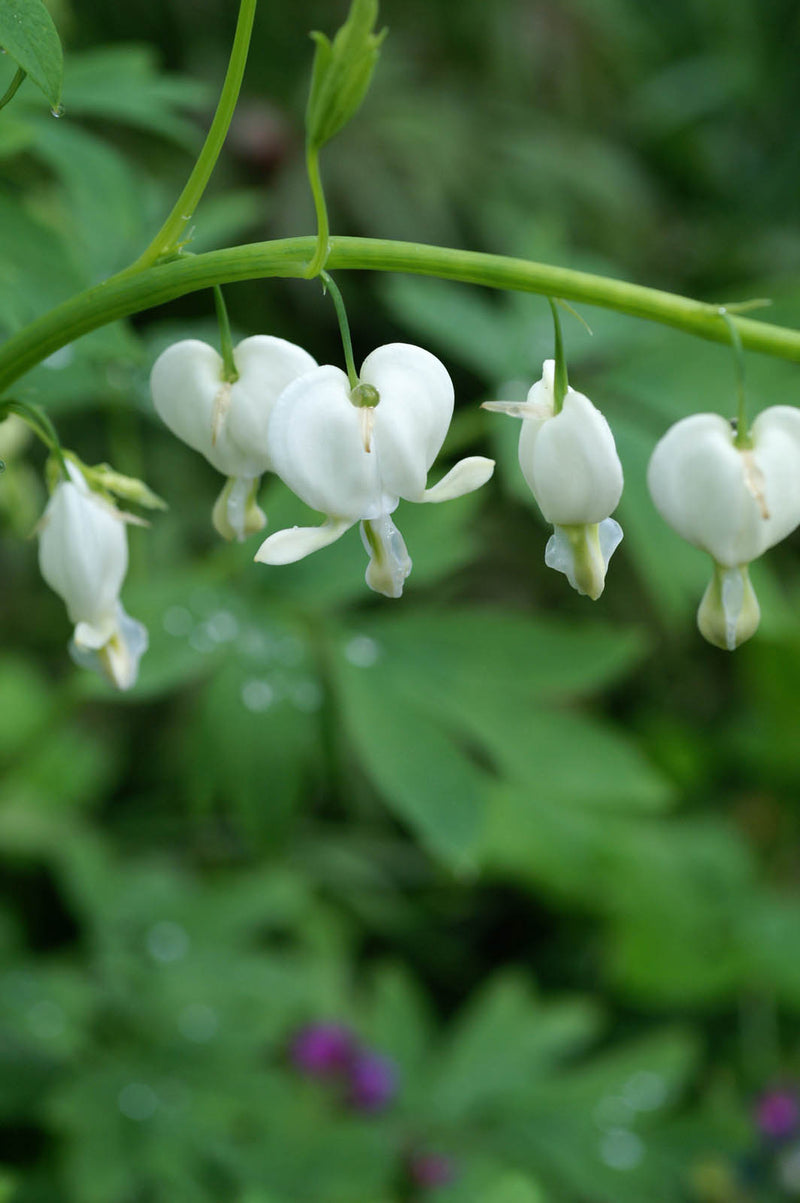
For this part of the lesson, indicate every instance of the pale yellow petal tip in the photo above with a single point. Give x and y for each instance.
(729, 613)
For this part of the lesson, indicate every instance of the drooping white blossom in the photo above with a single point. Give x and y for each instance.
(733, 502)
(352, 454)
(227, 421)
(83, 556)
(570, 462)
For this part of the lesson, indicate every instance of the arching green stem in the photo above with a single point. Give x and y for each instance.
(344, 328)
(126, 294)
(561, 384)
(170, 236)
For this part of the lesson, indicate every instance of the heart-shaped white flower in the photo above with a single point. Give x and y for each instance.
(570, 462)
(227, 421)
(732, 501)
(353, 453)
(83, 556)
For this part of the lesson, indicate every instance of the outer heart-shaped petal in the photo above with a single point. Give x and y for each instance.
(730, 502)
(413, 416)
(227, 423)
(317, 437)
(570, 461)
(83, 556)
(356, 463)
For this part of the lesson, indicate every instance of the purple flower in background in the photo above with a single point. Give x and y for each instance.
(323, 1050)
(777, 1113)
(373, 1081)
(430, 1170)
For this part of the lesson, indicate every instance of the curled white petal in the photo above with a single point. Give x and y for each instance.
(464, 477)
(732, 502)
(297, 542)
(582, 553)
(226, 422)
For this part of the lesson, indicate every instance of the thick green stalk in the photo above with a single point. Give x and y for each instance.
(127, 293)
(170, 236)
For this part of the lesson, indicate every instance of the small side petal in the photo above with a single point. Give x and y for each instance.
(465, 477)
(297, 542)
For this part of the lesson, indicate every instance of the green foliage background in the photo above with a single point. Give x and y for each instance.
(544, 855)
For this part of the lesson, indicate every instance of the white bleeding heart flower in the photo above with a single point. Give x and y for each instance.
(731, 501)
(83, 556)
(570, 462)
(227, 421)
(353, 454)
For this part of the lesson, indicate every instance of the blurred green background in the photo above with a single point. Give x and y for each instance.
(539, 855)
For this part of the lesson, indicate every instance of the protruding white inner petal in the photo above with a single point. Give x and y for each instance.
(466, 476)
(582, 554)
(118, 658)
(389, 561)
(297, 542)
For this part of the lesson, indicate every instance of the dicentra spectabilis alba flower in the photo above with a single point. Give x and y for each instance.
(570, 462)
(731, 501)
(353, 454)
(227, 421)
(83, 556)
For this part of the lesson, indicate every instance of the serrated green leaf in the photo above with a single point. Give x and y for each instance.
(29, 37)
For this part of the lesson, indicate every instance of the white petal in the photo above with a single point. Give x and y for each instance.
(582, 554)
(227, 423)
(571, 464)
(729, 612)
(732, 503)
(389, 561)
(466, 476)
(519, 409)
(413, 416)
(236, 512)
(317, 440)
(83, 552)
(297, 542)
(118, 657)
